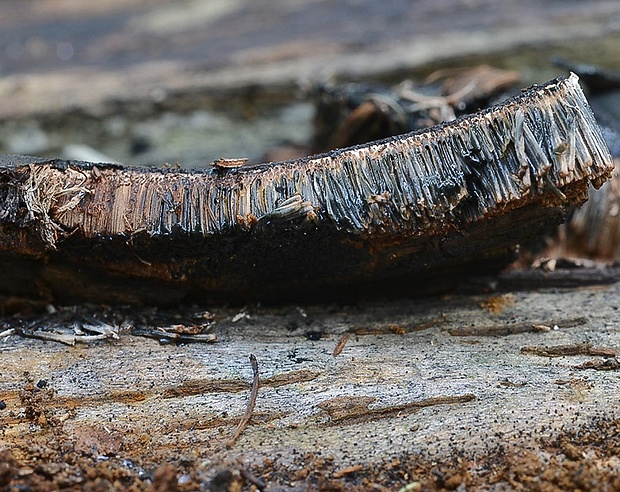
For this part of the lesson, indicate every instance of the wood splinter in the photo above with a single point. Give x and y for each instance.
(340, 345)
(413, 214)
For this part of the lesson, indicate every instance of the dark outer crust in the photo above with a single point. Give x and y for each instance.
(415, 212)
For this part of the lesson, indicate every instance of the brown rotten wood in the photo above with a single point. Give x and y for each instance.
(417, 211)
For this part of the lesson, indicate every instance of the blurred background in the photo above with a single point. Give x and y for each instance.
(159, 81)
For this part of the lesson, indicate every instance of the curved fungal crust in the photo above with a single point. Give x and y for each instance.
(418, 211)
(536, 144)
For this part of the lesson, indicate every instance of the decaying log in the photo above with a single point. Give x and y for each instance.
(354, 113)
(418, 211)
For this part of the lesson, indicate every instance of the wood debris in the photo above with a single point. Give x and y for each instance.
(356, 113)
(505, 329)
(355, 409)
(171, 335)
(251, 403)
(475, 85)
(609, 364)
(573, 349)
(7, 333)
(88, 324)
(340, 345)
(224, 163)
(86, 330)
(456, 199)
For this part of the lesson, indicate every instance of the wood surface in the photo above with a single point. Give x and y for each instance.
(449, 383)
(429, 394)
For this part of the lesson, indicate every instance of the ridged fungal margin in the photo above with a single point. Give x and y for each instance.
(400, 207)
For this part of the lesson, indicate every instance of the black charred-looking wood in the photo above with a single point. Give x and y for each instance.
(419, 212)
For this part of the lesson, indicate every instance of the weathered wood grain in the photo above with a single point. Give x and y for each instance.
(408, 387)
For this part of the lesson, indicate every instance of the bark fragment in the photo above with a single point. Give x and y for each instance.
(416, 211)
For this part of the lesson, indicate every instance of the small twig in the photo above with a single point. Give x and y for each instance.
(248, 411)
(573, 349)
(60, 337)
(253, 479)
(341, 343)
(604, 352)
(7, 333)
(381, 99)
(442, 103)
(347, 471)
